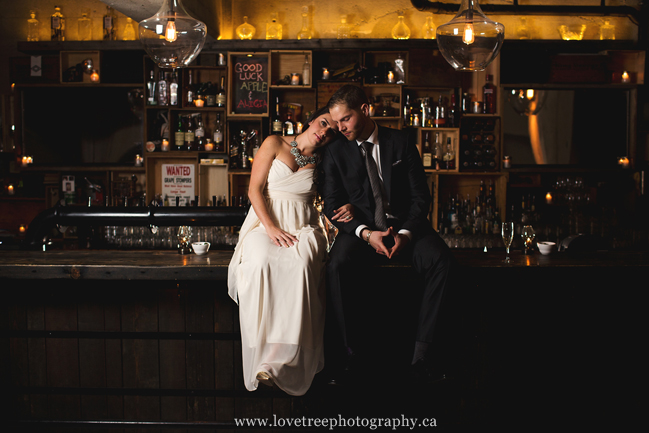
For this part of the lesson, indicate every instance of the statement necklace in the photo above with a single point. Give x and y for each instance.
(299, 158)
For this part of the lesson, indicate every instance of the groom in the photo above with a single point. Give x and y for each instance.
(379, 171)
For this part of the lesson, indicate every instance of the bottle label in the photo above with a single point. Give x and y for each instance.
(179, 138)
(218, 137)
(277, 126)
(428, 160)
(220, 100)
(108, 22)
(189, 137)
(56, 23)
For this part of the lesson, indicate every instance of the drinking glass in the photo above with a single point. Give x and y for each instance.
(507, 231)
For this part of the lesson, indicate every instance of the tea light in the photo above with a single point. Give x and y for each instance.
(507, 162)
(390, 77)
(22, 228)
(165, 145)
(623, 162)
(94, 77)
(10, 189)
(625, 77)
(295, 79)
(548, 198)
(209, 146)
(199, 102)
(299, 127)
(221, 59)
(325, 74)
(138, 160)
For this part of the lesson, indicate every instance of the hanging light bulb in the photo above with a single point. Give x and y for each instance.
(172, 37)
(470, 41)
(527, 102)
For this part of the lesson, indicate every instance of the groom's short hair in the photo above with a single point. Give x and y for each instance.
(350, 95)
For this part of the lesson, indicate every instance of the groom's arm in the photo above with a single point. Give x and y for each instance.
(419, 192)
(333, 192)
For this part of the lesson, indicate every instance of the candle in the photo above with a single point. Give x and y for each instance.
(209, 146)
(10, 189)
(299, 127)
(295, 79)
(24, 163)
(507, 162)
(221, 59)
(199, 102)
(94, 77)
(625, 77)
(390, 77)
(623, 162)
(165, 145)
(22, 228)
(138, 160)
(548, 198)
(325, 74)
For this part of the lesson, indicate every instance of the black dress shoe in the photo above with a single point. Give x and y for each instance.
(343, 373)
(422, 373)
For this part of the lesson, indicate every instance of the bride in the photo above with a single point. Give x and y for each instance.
(276, 274)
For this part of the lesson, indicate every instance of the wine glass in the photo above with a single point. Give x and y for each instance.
(507, 231)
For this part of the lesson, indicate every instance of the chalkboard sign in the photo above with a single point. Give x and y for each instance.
(249, 83)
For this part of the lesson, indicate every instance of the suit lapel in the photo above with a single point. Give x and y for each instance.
(386, 160)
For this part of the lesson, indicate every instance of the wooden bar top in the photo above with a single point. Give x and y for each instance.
(169, 265)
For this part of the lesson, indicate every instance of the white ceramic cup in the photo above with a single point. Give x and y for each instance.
(201, 248)
(546, 247)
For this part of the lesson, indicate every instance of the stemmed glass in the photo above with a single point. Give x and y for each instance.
(508, 236)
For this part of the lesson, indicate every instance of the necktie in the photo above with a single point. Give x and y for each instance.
(379, 213)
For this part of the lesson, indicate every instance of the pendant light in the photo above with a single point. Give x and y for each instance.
(172, 37)
(470, 41)
(527, 102)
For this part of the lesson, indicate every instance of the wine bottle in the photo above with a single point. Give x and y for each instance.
(179, 137)
(210, 94)
(199, 134)
(488, 96)
(306, 71)
(189, 91)
(220, 96)
(277, 126)
(150, 90)
(427, 155)
(163, 89)
(173, 90)
(218, 134)
(289, 127)
(189, 134)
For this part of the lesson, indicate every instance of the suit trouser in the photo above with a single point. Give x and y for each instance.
(429, 256)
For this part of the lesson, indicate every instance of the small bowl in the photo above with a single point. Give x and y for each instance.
(573, 32)
(546, 247)
(201, 248)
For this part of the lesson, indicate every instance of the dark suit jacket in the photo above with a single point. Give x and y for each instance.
(345, 180)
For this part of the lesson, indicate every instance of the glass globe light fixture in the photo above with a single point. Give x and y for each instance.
(470, 41)
(527, 102)
(172, 37)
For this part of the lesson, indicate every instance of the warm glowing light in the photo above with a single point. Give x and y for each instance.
(94, 77)
(625, 77)
(529, 94)
(22, 228)
(10, 189)
(390, 77)
(468, 36)
(170, 31)
(199, 102)
(548, 198)
(623, 162)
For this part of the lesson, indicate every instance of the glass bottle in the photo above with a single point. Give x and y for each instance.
(344, 30)
(449, 156)
(440, 113)
(428, 30)
(289, 127)
(32, 27)
(400, 30)
(306, 71)
(489, 95)
(277, 120)
(273, 28)
(210, 95)
(110, 25)
(245, 30)
(523, 30)
(220, 96)
(436, 151)
(57, 25)
(150, 90)
(427, 154)
(199, 134)
(84, 25)
(189, 134)
(189, 90)
(173, 90)
(163, 89)
(407, 112)
(129, 30)
(179, 136)
(607, 31)
(305, 33)
(218, 134)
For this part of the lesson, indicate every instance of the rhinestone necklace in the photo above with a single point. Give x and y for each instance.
(299, 158)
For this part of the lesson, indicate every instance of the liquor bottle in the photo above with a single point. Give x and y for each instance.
(179, 137)
(273, 28)
(452, 116)
(199, 134)
(306, 71)
(344, 30)
(277, 120)
(255, 147)
(436, 152)
(246, 30)
(189, 91)
(163, 89)
(235, 160)
(304, 33)
(218, 134)
(189, 134)
(428, 30)
(289, 127)
(32, 27)
(427, 153)
(400, 30)
(440, 113)
(220, 97)
(407, 112)
(210, 94)
(57, 25)
(449, 156)
(110, 25)
(488, 96)
(129, 30)
(150, 90)
(173, 90)
(84, 27)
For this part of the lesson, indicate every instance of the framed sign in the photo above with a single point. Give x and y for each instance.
(178, 180)
(249, 79)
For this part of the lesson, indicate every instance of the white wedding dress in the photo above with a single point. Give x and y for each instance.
(280, 290)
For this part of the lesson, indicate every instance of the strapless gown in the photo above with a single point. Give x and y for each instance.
(280, 291)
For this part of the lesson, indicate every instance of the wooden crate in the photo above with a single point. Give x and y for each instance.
(70, 59)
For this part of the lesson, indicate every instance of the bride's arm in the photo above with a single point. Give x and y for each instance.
(267, 152)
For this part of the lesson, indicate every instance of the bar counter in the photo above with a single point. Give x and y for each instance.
(169, 265)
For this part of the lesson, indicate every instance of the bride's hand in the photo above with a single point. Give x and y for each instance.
(280, 237)
(344, 213)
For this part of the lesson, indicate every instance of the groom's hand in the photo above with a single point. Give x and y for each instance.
(376, 241)
(400, 241)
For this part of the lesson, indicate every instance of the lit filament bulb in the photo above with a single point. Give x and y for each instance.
(170, 30)
(530, 94)
(468, 37)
